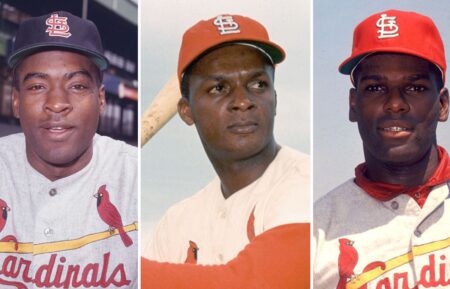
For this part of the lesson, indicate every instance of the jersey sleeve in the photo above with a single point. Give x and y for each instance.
(276, 259)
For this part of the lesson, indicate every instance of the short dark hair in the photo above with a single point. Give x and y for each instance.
(185, 81)
(434, 70)
(184, 86)
(16, 82)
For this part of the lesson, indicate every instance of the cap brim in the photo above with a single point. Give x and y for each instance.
(351, 62)
(17, 56)
(276, 52)
(347, 66)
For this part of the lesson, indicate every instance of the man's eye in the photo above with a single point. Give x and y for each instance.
(35, 87)
(219, 88)
(374, 88)
(416, 88)
(79, 86)
(259, 84)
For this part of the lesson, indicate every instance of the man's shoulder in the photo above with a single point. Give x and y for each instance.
(198, 201)
(107, 146)
(291, 160)
(290, 169)
(293, 157)
(341, 195)
(12, 146)
(344, 206)
(12, 141)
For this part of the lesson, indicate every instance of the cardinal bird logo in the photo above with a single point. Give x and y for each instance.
(4, 209)
(109, 214)
(251, 226)
(347, 260)
(192, 255)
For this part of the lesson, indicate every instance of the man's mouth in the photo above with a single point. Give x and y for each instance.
(57, 131)
(395, 129)
(243, 127)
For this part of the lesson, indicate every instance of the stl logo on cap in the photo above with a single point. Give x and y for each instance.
(57, 26)
(388, 27)
(226, 24)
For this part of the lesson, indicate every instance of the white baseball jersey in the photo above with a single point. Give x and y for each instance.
(209, 229)
(54, 236)
(367, 243)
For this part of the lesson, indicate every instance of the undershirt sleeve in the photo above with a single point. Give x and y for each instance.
(276, 259)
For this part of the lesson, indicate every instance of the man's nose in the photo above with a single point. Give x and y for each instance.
(396, 101)
(242, 99)
(58, 101)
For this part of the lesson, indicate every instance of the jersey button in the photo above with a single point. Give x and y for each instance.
(222, 213)
(52, 192)
(48, 232)
(394, 205)
(417, 195)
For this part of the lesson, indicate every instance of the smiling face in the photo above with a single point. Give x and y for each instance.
(58, 100)
(397, 104)
(232, 102)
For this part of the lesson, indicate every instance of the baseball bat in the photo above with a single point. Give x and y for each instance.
(161, 110)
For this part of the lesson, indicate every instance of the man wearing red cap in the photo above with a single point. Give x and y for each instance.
(260, 197)
(388, 226)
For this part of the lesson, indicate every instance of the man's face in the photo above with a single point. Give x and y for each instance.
(58, 101)
(397, 104)
(232, 102)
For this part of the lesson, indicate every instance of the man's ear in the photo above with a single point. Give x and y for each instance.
(443, 99)
(184, 110)
(352, 115)
(16, 102)
(102, 98)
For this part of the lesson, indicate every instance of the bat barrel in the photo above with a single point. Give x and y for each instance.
(161, 110)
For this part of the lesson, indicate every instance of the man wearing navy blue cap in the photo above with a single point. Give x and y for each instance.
(68, 196)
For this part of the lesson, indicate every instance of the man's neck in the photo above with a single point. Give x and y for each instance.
(237, 174)
(55, 172)
(408, 175)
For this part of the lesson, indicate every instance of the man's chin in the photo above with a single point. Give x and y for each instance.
(59, 156)
(244, 150)
(61, 160)
(402, 155)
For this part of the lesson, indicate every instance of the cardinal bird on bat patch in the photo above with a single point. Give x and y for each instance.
(110, 215)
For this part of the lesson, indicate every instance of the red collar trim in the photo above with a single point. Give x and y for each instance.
(385, 192)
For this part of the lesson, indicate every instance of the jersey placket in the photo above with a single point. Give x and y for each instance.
(220, 228)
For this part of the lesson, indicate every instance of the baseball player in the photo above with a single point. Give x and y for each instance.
(226, 71)
(388, 227)
(68, 196)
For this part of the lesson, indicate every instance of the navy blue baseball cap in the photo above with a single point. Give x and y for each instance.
(58, 30)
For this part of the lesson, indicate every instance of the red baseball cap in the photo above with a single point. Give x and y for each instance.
(222, 29)
(396, 31)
